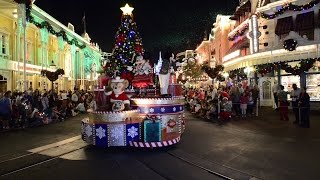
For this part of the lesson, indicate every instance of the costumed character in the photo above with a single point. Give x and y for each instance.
(226, 109)
(164, 76)
(143, 73)
(118, 97)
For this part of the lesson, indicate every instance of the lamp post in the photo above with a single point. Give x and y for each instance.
(53, 67)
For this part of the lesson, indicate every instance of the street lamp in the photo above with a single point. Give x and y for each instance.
(52, 65)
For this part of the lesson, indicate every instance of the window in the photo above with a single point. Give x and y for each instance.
(3, 43)
(4, 40)
(29, 52)
(305, 25)
(284, 26)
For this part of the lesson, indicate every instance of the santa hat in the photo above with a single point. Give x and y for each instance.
(117, 80)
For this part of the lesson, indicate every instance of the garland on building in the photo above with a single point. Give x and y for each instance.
(290, 7)
(238, 72)
(303, 66)
(290, 44)
(239, 32)
(213, 72)
(47, 25)
(52, 76)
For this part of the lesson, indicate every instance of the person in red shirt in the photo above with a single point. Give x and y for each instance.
(243, 104)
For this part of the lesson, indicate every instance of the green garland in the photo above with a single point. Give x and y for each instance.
(238, 72)
(303, 66)
(48, 26)
(213, 72)
(52, 76)
(290, 7)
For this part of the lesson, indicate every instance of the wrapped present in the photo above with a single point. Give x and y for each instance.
(152, 130)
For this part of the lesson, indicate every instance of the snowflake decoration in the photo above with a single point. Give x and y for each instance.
(100, 132)
(133, 132)
(151, 110)
(116, 132)
(180, 108)
(139, 110)
(174, 109)
(88, 130)
(163, 109)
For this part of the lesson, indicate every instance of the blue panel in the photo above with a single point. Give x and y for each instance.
(101, 136)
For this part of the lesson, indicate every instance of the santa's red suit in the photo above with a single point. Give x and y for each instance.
(119, 97)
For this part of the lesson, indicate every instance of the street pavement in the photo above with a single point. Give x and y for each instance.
(245, 148)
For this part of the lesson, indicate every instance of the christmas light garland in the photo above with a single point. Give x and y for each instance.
(303, 66)
(47, 25)
(238, 72)
(290, 7)
(213, 72)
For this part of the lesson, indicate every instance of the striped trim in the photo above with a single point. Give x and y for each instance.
(155, 144)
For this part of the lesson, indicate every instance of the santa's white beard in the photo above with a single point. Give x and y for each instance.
(164, 83)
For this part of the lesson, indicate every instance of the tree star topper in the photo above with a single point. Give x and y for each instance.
(127, 10)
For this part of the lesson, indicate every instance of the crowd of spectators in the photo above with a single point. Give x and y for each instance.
(35, 108)
(222, 103)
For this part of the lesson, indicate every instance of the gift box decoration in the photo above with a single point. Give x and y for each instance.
(133, 132)
(101, 135)
(152, 130)
(116, 135)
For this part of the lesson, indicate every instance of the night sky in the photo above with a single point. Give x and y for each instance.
(163, 24)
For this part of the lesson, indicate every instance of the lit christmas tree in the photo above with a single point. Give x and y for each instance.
(128, 44)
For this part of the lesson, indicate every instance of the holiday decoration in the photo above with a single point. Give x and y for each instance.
(117, 135)
(303, 66)
(290, 7)
(213, 72)
(133, 132)
(101, 136)
(48, 26)
(128, 44)
(156, 121)
(192, 69)
(239, 32)
(143, 73)
(119, 99)
(52, 76)
(290, 44)
(152, 129)
(238, 73)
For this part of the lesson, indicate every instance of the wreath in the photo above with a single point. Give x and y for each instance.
(290, 44)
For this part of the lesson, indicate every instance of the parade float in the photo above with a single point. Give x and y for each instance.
(131, 113)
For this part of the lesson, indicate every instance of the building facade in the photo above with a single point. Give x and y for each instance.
(43, 43)
(274, 42)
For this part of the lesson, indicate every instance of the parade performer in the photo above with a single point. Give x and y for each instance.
(164, 76)
(143, 73)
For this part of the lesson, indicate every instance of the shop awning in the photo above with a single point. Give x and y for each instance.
(284, 25)
(242, 42)
(305, 21)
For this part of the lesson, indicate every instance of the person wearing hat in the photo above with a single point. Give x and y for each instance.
(164, 75)
(118, 97)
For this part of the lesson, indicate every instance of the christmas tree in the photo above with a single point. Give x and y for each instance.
(128, 44)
